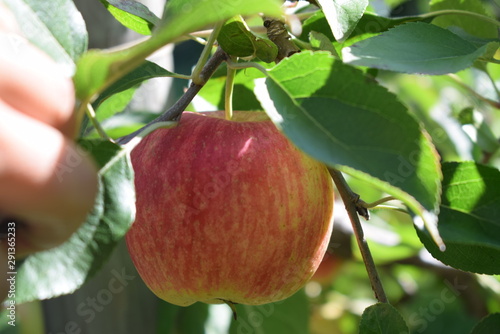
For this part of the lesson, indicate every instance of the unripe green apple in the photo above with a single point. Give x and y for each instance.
(227, 211)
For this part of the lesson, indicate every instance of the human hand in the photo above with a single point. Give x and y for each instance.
(47, 184)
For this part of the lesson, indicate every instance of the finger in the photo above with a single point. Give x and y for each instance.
(7, 20)
(34, 84)
(44, 179)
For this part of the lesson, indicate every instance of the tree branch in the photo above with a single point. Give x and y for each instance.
(278, 34)
(174, 112)
(351, 201)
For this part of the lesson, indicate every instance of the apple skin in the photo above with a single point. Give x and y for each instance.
(227, 211)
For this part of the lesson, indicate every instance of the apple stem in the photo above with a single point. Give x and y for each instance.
(232, 307)
(228, 96)
(174, 112)
(351, 199)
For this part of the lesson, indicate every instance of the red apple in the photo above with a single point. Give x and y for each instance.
(227, 211)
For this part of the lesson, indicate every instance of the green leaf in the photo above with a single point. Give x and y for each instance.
(469, 220)
(369, 25)
(471, 24)
(415, 48)
(321, 42)
(64, 269)
(339, 116)
(487, 325)
(382, 318)
(56, 27)
(183, 16)
(289, 316)
(133, 15)
(94, 72)
(114, 104)
(265, 50)
(317, 22)
(342, 16)
(97, 70)
(238, 40)
(147, 70)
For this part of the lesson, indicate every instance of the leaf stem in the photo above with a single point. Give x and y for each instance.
(238, 66)
(392, 208)
(91, 115)
(490, 60)
(350, 200)
(460, 12)
(228, 96)
(205, 54)
(378, 202)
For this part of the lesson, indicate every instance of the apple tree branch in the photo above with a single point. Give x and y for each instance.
(352, 204)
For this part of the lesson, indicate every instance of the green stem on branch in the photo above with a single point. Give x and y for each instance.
(205, 54)
(378, 202)
(239, 66)
(351, 200)
(91, 115)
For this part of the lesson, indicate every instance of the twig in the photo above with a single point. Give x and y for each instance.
(174, 112)
(457, 80)
(350, 200)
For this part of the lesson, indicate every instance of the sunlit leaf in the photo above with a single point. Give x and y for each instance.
(341, 117)
(133, 15)
(469, 220)
(415, 48)
(343, 15)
